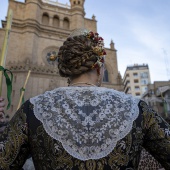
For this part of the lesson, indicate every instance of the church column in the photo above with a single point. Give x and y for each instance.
(61, 22)
(50, 21)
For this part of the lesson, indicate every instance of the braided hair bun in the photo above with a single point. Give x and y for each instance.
(76, 56)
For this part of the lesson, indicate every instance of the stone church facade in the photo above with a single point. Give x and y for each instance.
(39, 28)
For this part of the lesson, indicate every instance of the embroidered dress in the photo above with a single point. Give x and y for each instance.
(79, 128)
(148, 162)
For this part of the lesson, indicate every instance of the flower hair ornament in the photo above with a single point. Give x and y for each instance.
(96, 43)
(98, 49)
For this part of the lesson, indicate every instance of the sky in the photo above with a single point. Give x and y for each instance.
(140, 30)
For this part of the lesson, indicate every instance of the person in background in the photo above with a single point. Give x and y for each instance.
(84, 126)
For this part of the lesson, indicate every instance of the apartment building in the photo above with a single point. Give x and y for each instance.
(136, 79)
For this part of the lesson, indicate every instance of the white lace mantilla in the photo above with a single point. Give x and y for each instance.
(88, 121)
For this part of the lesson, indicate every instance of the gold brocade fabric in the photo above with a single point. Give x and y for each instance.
(26, 136)
(148, 162)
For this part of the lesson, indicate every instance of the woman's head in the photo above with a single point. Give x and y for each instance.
(80, 54)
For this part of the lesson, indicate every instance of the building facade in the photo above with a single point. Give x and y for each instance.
(136, 79)
(158, 97)
(39, 28)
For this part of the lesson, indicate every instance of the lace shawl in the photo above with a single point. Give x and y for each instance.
(88, 121)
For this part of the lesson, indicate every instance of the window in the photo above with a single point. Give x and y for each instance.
(45, 19)
(135, 74)
(51, 57)
(66, 23)
(74, 2)
(105, 77)
(137, 88)
(144, 75)
(136, 81)
(137, 94)
(56, 21)
(144, 81)
(78, 2)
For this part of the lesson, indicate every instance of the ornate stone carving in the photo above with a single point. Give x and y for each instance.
(34, 67)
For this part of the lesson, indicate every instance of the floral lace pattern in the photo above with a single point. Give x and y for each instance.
(88, 121)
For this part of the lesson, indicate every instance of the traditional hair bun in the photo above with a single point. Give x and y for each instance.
(80, 53)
